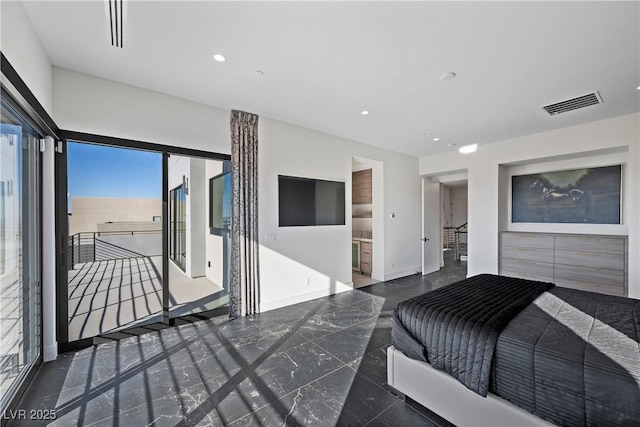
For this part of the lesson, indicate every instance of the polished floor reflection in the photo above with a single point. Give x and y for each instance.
(321, 363)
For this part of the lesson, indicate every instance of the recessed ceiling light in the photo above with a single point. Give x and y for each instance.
(218, 57)
(466, 149)
(448, 76)
(436, 139)
(364, 112)
(638, 88)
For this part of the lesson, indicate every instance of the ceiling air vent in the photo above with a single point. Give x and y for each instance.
(573, 104)
(116, 14)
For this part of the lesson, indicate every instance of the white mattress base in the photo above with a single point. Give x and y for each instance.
(447, 397)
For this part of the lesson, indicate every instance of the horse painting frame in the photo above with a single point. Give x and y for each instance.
(587, 195)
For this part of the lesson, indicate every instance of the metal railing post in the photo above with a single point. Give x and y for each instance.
(456, 247)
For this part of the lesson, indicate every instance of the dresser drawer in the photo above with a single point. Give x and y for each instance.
(528, 240)
(530, 254)
(590, 274)
(527, 267)
(590, 259)
(601, 245)
(589, 286)
(527, 276)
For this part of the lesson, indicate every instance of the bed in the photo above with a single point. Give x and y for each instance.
(494, 350)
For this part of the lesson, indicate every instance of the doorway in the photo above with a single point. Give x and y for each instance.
(367, 259)
(147, 237)
(454, 222)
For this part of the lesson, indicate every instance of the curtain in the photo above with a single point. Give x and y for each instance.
(244, 292)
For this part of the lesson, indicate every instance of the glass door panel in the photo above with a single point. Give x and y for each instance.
(200, 224)
(115, 239)
(20, 324)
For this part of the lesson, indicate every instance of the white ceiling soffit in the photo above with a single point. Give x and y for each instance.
(322, 63)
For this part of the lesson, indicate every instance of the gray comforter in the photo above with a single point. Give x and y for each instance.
(573, 358)
(457, 326)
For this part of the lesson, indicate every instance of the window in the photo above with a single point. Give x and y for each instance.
(20, 258)
(220, 202)
(178, 223)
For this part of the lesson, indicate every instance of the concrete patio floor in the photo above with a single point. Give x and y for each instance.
(106, 296)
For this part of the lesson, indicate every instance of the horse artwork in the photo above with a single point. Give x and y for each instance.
(581, 200)
(591, 195)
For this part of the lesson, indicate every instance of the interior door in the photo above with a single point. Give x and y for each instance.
(431, 234)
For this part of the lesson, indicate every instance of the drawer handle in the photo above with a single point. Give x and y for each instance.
(366, 253)
(526, 262)
(527, 249)
(582, 282)
(588, 269)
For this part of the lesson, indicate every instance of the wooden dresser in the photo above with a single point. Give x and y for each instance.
(580, 261)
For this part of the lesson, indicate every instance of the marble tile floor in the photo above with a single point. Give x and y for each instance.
(318, 363)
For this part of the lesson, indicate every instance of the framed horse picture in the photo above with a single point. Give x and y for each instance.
(591, 195)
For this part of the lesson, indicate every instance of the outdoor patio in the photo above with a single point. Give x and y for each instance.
(109, 295)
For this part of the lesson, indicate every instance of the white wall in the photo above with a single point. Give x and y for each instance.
(598, 143)
(22, 48)
(196, 209)
(214, 243)
(90, 104)
(308, 262)
(458, 199)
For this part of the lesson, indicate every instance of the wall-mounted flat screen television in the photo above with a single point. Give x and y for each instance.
(309, 202)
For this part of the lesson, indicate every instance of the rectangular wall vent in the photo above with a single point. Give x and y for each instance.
(573, 104)
(117, 15)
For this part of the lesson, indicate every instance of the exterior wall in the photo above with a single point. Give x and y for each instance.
(88, 212)
(593, 144)
(215, 255)
(197, 213)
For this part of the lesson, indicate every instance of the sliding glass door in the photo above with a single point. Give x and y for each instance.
(20, 254)
(127, 265)
(199, 224)
(114, 247)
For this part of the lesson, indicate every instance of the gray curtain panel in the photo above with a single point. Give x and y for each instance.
(244, 293)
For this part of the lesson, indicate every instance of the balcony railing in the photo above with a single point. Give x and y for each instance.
(460, 242)
(104, 245)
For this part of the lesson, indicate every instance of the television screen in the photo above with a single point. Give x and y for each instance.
(309, 202)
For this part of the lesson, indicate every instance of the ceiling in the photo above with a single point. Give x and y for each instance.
(322, 63)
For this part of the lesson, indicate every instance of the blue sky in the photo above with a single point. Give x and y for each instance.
(97, 171)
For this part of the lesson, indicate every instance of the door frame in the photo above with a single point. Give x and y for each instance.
(433, 236)
(62, 231)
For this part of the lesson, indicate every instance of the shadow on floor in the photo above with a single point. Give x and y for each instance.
(321, 362)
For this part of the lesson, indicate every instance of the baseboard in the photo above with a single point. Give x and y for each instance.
(400, 274)
(50, 353)
(295, 299)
